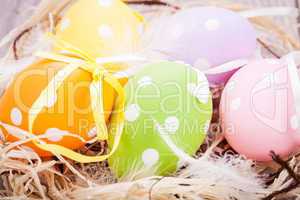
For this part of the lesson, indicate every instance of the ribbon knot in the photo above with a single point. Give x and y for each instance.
(75, 59)
(98, 74)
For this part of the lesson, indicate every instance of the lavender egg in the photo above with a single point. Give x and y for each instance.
(206, 37)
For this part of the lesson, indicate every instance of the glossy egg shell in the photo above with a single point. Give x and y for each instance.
(69, 112)
(167, 102)
(208, 35)
(101, 28)
(258, 111)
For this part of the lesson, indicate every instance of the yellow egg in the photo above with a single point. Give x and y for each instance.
(101, 28)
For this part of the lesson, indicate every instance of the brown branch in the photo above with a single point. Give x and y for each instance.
(16, 41)
(285, 165)
(264, 45)
(152, 3)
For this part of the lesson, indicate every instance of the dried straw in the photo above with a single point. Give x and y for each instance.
(218, 173)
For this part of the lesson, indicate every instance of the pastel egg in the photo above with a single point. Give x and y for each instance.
(66, 115)
(206, 37)
(101, 28)
(258, 111)
(166, 117)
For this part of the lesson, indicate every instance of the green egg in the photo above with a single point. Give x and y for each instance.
(167, 114)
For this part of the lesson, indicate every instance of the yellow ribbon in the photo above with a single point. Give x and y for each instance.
(75, 59)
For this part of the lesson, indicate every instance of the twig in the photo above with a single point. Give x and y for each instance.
(264, 45)
(276, 158)
(16, 41)
(285, 165)
(152, 2)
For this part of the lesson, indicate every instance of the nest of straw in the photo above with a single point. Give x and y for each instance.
(219, 172)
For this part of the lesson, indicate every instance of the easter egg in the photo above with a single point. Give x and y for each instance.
(168, 111)
(205, 37)
(66, 116)
(101, 27)
(258, 111)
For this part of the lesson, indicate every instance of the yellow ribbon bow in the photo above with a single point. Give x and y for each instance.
(75, 59)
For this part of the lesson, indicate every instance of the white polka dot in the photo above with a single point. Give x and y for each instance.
(146, 80)
(294, 122)
(93, 132)
(200, 91)
(55, 134)
(171, 124)
(212, 24)
(202, 64)
(16, 116)
(105, 31)
(65, 23)
(105, 3)
(150, 157)
(235, 104)
(132, 112)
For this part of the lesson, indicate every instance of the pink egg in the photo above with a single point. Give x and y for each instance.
(258, 111)
(208, 36)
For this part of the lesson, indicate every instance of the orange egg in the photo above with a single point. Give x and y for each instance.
(67, 113)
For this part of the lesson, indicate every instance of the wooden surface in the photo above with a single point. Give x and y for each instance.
(13, 12)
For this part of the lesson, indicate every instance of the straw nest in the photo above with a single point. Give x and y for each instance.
(219, 172)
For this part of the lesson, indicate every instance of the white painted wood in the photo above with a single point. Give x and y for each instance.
(13, 12)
